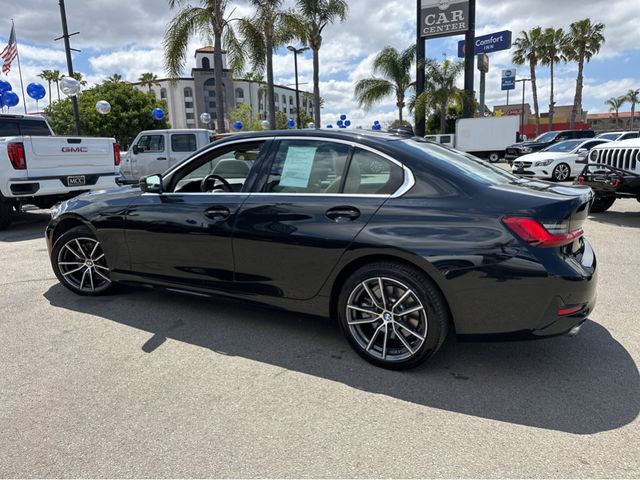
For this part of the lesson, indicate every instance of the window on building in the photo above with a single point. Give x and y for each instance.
(290, 100)
(190, 115)
(284, 99)
(211, 104)
(205, 64)
(239, 93)
(188, 93)
(163, 93)
(210, 88)
(188, 104)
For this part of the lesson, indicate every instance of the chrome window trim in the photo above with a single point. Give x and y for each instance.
(407, 183)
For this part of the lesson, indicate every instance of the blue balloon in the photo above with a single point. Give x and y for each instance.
(343, 117)
(238, 125)
(36, 91)
(347, 123)
(329, 126)
(10, 99)
(291, 123)
(157, 113)
(1, 100)
(5, 86)
(339, 123)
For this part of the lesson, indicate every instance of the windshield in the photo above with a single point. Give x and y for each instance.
(546, 137)
(566, 146)
(464, 163)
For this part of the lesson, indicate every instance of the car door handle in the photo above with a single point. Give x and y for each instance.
(217, 213)
(343, 213)
(161, 158)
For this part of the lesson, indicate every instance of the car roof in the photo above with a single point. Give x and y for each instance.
(348, 135)
(22, 117)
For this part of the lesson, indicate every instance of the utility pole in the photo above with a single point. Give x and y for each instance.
(421, 52)
(524, 85)
(469, 41)
(296, 51)
(67, 48)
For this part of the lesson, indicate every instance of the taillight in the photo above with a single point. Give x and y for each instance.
(116, 154)
(16, 155)
(537, 234)
(581, 180)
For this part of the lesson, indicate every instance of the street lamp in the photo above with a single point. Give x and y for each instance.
(296, 51)
(524, 85)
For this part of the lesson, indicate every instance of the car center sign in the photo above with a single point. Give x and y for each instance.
(488, 43)
(441, 18)
(509, 79)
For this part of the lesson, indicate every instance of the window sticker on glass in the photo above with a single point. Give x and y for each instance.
(297, 167)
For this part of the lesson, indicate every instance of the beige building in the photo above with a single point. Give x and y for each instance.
(606, 122)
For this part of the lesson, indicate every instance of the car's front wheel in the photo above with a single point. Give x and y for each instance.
(393, 315)
(79, 262)
(561, 173)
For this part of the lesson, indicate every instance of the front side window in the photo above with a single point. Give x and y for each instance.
(371, 174)
(307, 167)
(151, 143)
(183, 142)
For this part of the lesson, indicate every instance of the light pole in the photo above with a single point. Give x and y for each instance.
(296, 51)
(524, 86)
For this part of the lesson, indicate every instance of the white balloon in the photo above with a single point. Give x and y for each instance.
(69, 86)
(205, 118)
(311, 125)
(264, 124)
(103, 107)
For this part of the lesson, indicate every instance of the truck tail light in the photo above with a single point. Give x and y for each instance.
(537, 234)
(116, 154)
(16, 155)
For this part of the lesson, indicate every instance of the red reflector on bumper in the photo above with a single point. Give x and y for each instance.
(563, 312)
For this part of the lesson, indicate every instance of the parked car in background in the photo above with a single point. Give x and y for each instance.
(617, 136)
(543, 141)
(38, 168)
(155, 151)
(613, 172)
(557, 161)
(399, 239)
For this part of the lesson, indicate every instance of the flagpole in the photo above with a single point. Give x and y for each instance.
(24, 98)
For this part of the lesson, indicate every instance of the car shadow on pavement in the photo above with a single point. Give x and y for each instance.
(580, 385)
(622, 219)
(26, 226)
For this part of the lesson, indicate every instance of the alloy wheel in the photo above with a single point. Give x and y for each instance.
(562, 172)
(82, 263)
(386, 318)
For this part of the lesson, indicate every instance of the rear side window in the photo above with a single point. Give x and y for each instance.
(183, 142)
(372, 174)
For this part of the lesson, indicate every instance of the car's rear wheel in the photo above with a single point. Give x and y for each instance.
(602, 204)
(79, 262)
(561, 173)
(393, 315)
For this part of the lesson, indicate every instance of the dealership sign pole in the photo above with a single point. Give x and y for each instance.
(508, 81)
(421, 53)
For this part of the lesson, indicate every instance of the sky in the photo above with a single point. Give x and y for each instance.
(125, 37)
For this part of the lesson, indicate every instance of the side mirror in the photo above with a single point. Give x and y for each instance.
(151, 184)
(136, 150)
(582, 152)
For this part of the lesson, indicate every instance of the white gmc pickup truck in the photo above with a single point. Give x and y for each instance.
(38, 168)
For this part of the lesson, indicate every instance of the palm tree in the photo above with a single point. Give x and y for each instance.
(314, 16)
(615, 103)
(115, 78)
(633, 97)
(46, 75)
(148, 79)
(206, 21)
(56, 76)
(584, 41)
(553, 45)
(80, 78)
(395, 68)
(528, 50)
(269, 28)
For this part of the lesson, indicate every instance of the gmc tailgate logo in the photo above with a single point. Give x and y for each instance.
(75, 149)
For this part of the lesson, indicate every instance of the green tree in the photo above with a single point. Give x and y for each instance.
(585, 40)
(633, 97)
(615, 103)
(250, 121)
(56, 76)
(80, 78)
(528, 49)
(395, 69)
(440, 89)
(269, 28)
(551, 53)
(115, 78)
(206, 21)
(433, 124)
(130, 113)
(47, 76)
(313, 18)
(148, 79)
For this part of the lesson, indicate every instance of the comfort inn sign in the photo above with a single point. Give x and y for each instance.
(440, 18)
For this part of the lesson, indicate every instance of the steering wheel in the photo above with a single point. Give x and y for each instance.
(211, 179)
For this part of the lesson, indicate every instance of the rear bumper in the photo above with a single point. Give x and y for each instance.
(607, 181)
(54, 186)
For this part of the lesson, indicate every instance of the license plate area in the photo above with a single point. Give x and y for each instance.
(74, 180)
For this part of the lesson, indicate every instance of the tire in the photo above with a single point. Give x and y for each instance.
(561, 173)
(602, 204)
(494, 157)
(6, 214)
(79, 262)
(383, 337)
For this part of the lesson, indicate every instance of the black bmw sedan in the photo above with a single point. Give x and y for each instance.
(399, 239)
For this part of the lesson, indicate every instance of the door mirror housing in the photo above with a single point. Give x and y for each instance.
(151, 184)
(135, 149)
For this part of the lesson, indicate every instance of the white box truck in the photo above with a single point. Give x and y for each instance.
(487, 137)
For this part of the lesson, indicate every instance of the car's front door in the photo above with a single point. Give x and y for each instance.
(183, 235)
(149, 155)
(315, 197)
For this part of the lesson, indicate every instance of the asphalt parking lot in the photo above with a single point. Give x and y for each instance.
(148, 384)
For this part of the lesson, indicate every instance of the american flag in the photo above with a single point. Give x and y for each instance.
(10, 52)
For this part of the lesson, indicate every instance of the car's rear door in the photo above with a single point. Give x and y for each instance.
(315, 196)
